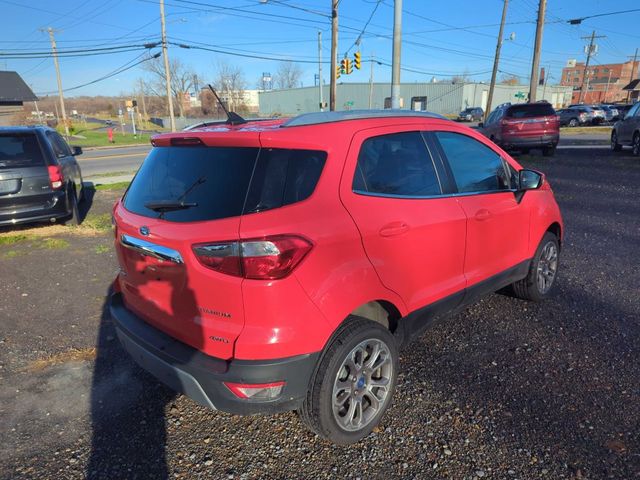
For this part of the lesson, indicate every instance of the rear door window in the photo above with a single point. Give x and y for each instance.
(397, 164)
(20, 150)
(530, 110)
(221, 182)
(475, 167)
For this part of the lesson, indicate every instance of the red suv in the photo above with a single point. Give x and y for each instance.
(524, 126)
(279, 265)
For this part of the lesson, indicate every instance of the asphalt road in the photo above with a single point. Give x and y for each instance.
(506, 389)
(106, 160)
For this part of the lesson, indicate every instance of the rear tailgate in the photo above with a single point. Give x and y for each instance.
(161, 279)
(531, 120)
(24, 179)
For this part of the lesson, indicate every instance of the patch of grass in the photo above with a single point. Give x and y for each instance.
(112, 186)
(580, 130)
(73, 355)
(101, 222)
(102, 249)
(95, 138)
(114, 174)
(11, 254)
(12, 239)
(55, 243)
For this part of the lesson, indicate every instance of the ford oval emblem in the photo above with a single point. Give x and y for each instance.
(144, 231)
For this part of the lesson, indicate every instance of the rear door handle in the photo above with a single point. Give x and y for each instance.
(394, 228)
(483, 214)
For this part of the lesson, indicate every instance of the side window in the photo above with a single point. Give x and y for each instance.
(396, 164)
(475, 167)
(59, 146)
(63, 144)
(491, 117)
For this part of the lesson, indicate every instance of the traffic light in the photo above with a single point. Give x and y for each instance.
(343, 65)
(357, 60)
(338, 71)
(349, 67)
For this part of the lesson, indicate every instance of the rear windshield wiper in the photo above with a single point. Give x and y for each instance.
(169, 206)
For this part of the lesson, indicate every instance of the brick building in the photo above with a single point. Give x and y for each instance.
(603, 83)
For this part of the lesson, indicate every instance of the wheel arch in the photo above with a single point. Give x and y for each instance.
(556, 229)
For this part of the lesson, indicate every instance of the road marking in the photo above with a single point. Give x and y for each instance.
(142, 154)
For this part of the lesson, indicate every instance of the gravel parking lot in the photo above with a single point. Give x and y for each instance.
(505, 390)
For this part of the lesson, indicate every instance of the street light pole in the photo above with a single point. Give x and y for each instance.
(334, 54)
(167, 72)
(395, 62)
(496, 61)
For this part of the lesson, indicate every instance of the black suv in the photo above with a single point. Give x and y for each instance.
(40, 179)
(627, 131)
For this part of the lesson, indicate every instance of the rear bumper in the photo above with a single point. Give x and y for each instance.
(514, 141)
(43, 209)
(201, 377)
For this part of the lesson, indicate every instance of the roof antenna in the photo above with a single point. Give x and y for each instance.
(232, 117)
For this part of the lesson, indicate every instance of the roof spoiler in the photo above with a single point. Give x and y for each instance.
(232, 117)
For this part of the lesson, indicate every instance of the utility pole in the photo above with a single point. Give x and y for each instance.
(371, 83)
(144, 103)
(586, 65)
(496, 61)
(167, 72)
(334, 55)
(321, 95)
(633, 66)
(395, 62)
(533, 85)
(60, 95)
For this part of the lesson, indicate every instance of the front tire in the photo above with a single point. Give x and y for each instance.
(542, 271)
(353, 383)
(573, 122)
(74, 211)
(636, 144)
(615, 146)
(549, 151)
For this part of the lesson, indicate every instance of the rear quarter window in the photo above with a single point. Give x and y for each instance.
(19, 150)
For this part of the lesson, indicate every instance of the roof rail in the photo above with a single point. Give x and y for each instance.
(316, 118)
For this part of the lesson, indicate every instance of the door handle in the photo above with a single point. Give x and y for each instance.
(394, 228)
(483, 214)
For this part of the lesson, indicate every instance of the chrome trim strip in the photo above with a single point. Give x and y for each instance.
(151, 249)
(427, 197)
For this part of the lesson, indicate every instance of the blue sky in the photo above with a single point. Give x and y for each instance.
(440, 38)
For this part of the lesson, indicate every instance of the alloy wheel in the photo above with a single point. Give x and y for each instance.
(547, 267)
(362, 384)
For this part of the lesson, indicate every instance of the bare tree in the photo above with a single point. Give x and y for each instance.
(230, 84)
(510, 80)
(288, 75)
(181, 80)
(462, 78)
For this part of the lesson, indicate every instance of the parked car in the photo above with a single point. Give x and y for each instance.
(523, 126)
(597, 114)
(627, 131)
(622, 110)
(573, 117)
(40, 179)
(279, 265)
(610, 112)
(471, 114)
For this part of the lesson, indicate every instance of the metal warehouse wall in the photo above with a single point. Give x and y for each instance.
(443, 98)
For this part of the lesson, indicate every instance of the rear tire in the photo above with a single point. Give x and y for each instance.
(74, 211)
(573, 122)
(542, 271)
(353, 383)
(549, 151)
(615, 146)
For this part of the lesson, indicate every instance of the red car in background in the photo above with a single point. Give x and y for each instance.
(523, 126)
(279, 265)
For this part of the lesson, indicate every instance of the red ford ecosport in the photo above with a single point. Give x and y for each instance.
(279, 265)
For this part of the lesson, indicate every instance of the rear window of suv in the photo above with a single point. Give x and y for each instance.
(222, 182)
(19, 150)
(528, 111)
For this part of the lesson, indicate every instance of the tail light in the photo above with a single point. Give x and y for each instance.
(267, 258)
(56, 178)
(256, 391)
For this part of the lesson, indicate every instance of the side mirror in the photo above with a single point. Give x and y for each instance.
(77, 151)
(529, 180)
(481, 124)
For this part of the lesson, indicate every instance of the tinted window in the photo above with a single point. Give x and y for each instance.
(218, 181)
(530, 110)
(283, 177)
(20, 150)
(475, 167)
(396, 164)
(58, 147)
